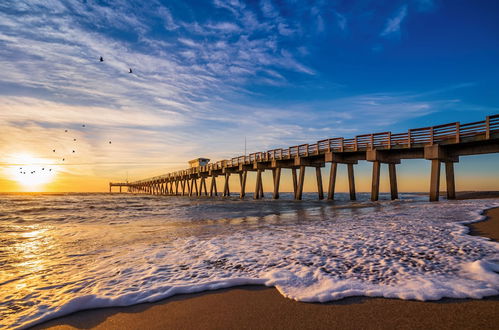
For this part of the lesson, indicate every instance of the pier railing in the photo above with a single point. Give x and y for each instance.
(450, 133)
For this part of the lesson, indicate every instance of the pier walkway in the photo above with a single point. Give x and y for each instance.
(442, 144)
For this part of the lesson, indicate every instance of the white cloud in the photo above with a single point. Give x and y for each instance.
(167, 16)
(393, 24)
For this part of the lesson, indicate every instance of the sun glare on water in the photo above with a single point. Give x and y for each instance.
(32, 173)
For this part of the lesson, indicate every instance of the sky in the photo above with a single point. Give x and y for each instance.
(208, 75)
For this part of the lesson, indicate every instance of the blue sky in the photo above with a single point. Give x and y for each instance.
(208, 73)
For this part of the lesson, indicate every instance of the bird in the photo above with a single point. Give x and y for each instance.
(43, 168)
(63, 159)
(66, 130)
(53, 150)
(50, 169)
(83, 125)
(130, 70)
(109, 142)
(101, 59)
(73, 151)
(74, 139)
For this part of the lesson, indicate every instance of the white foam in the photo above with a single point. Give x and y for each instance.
(414, 251)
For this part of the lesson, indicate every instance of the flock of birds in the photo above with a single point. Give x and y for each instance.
(23, 170)
(129, 69)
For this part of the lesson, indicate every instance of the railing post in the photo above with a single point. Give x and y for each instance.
(328, 145)
(409, 139)
(355, 144)
(342, 144)
(458, 133)
(372, 141)
(389, 140)
(431, 135)
(487, 128)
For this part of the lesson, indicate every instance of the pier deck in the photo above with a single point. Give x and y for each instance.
(442, 144)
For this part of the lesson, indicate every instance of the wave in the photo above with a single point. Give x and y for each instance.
(311, 253)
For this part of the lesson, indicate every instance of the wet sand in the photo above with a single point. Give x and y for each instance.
(257, 307)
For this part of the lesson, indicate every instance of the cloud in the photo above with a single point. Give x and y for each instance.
(392, 26)
(169, 21)
(341, 20)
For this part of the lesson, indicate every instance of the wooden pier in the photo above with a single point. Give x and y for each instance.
(442, 144)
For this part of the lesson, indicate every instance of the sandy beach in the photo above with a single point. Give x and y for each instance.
(251, 307)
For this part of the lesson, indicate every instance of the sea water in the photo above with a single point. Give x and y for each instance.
(60, 253)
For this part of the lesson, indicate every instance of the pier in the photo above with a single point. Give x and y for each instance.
(441, 145)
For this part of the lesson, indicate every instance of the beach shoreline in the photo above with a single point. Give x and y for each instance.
(248, 307)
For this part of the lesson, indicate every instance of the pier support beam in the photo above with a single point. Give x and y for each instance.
(351, 182)
(435, 180)
(258, 184)
(295, 183)
(276, 173)
(438, 154)
(392, 172)
(242, 181)
(190, 186)
(202, 186)
(332, 181)
(213, 187)
(320, 190)
(301, 180)
(226, 185)
(449, 176)
(375, 181)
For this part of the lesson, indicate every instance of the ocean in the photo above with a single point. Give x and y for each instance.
(61, 253)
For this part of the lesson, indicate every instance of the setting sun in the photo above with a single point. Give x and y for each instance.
(30, 172)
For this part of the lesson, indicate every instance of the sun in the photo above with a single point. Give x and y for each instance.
(31, 172)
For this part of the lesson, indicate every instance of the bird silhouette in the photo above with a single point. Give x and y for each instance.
(53, 150)
(109, 142)
(101, 59)
(50, 169)
(130, 70)
(82, 125)
(66, 130)
(73, 151)
(63, 159)
(74, 139)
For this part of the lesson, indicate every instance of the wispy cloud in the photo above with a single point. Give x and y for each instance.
(393, 24)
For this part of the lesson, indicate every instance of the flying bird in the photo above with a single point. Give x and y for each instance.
(82, 125)
(73, 151)
(101, 59)
(74, 139)
(66, 130)
(63, 159)
(53, 150)
(130, 70)
(109, 142)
